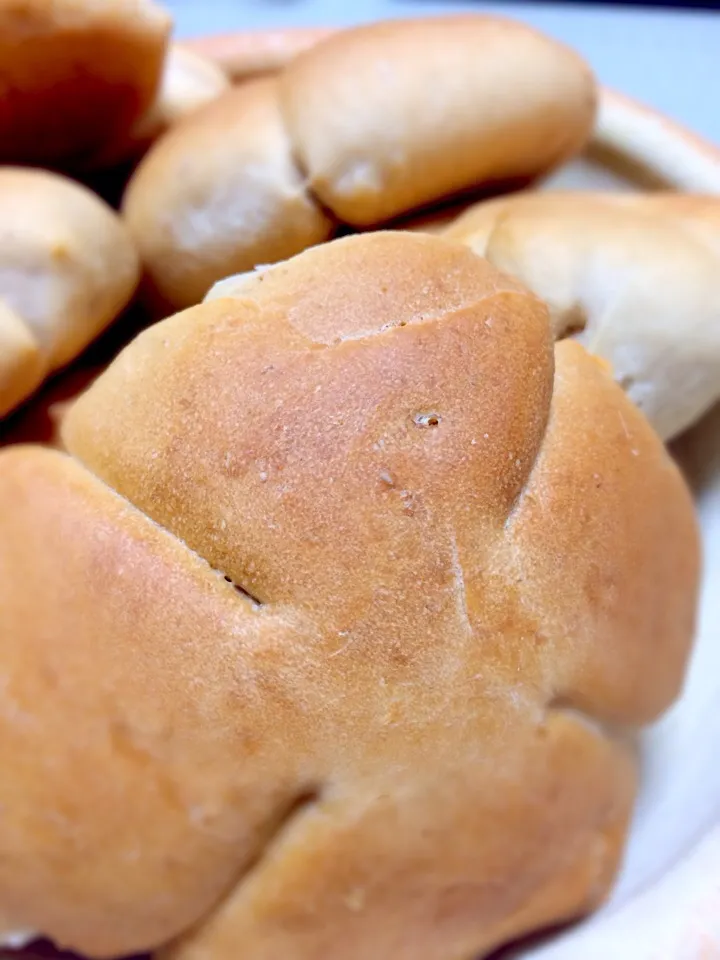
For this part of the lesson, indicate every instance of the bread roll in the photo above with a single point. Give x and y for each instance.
(635, 278)
(391, 116)
(369, 124)
(254, 53)
(67, 269)
(76, 75)
(219, 194)
(365, 581)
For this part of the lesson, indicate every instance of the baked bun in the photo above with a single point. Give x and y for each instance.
(220, 193)
(76, 75)
(391, 116)
(67, 269)
(368, 125)
(364, 582)
(636, 278)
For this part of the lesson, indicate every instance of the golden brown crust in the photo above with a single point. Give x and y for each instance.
(67, 269)
(219, 194)
(338, 296)
(388, 117)
(155, 759)
(322, 894)
(592, 471)
(401, 751)
(76, 75)
(635, 277)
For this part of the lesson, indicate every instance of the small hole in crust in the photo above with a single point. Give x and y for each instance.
(427, 419)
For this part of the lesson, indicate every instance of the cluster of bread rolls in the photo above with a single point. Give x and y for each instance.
(84, 85)
(370, 586)
(367, 125)
(356, 127)
(344, 130)
(332, 607)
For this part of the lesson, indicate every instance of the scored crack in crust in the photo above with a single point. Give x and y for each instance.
(350, 582)
(634, 277)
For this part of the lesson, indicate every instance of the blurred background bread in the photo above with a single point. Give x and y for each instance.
(67, 269)
(220, 193)
(391, 116)
(188, 82)
(76, 75)
(367, 125)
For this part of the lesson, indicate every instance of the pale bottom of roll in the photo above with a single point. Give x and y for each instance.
(21, 362)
